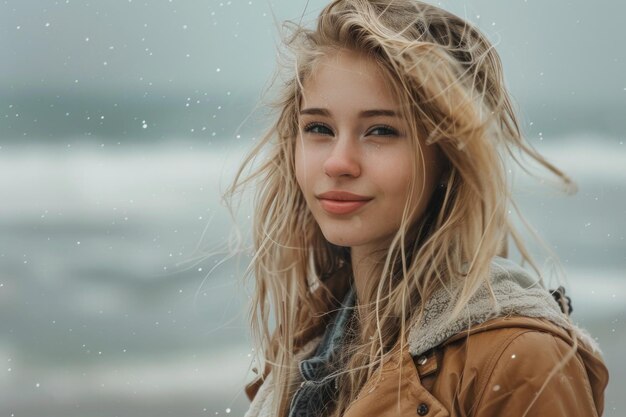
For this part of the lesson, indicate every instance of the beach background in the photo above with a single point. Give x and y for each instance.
(121, 123)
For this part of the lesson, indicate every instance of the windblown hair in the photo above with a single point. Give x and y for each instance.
(448, 80)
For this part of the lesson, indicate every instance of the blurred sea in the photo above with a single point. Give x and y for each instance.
(114, 301)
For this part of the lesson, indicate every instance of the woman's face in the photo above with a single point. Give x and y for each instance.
(354, 157)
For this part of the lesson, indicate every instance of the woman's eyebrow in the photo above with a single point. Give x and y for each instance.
(364, 114)
(316, 112)
(378, 112)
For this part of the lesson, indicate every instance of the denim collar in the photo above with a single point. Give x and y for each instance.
(315, 368)
(318, 388)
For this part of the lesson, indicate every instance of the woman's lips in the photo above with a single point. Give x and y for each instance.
(341, 206)
(341, 202)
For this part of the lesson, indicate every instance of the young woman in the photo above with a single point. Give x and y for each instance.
(381, 229)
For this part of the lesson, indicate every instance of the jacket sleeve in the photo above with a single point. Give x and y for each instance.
(535, 375)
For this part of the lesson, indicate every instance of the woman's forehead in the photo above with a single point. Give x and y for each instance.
(347, 78)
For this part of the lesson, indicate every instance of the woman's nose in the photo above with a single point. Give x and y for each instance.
(343, 159)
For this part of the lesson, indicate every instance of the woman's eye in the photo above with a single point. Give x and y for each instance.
(383, 131)
(318, 128)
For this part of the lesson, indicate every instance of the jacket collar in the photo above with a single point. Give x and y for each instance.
(512, 292)
(515, 293)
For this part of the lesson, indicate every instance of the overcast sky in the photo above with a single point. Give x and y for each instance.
(549, 47)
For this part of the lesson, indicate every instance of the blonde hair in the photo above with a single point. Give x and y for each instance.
(448, 79)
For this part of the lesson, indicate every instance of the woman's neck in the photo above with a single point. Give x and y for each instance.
(365, 268)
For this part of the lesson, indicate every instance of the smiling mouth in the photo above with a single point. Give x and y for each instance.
(341, 206)
(342, 202)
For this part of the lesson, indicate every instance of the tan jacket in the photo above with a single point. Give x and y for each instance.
(507, 366)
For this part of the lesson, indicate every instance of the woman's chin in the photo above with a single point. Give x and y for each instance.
(348, 240)
(337, 238)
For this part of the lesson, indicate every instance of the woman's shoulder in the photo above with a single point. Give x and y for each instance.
(511, 364)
